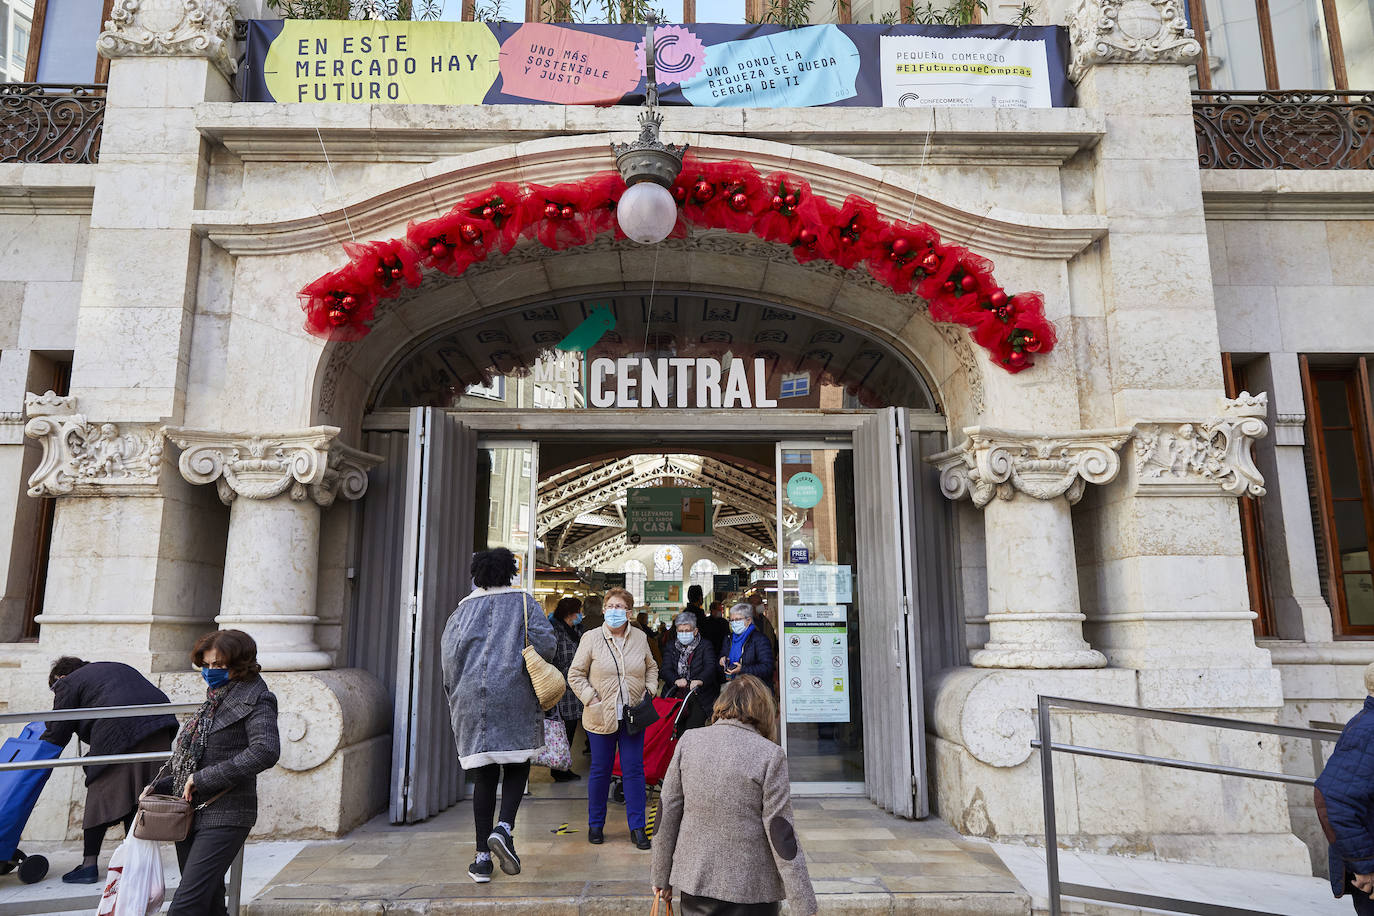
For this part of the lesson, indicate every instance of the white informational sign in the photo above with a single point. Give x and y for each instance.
(824, 583)
(815, 668)
(824, 613)
(920, 71)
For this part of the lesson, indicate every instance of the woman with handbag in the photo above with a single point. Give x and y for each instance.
(567, 631)
(731, 846)
(614, 674)
(215, 765)
(498, 723)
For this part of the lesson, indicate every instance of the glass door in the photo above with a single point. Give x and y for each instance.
(818, 633)
(506, 502)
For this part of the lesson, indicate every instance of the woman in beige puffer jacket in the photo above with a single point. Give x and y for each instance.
(613, 669)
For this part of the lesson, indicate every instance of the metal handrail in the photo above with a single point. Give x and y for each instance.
(1047, 746)
(234, 887)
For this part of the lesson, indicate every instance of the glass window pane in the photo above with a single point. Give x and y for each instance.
(731, 11)
(1233, 45)
(1359, 600)
(1342, 471)
(1300, 46)
(503, 484)
(1331, 396)
(67, 54)
(1351, 538)
(1356, 18)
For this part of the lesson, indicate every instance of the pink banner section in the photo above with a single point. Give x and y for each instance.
(550, 63)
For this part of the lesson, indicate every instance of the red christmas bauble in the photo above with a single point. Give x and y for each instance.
(807, 237)
(1016, 358)
(900, 247)
(998, 298)
(551, 211)
(777, 202)
(338, 317)
(1031, 342)
(349, 302)
(848, 239)
(1003, 313)
(679, 193)
(567, 212)
(397, 273)
(739, 202)
(502, 209)
(488, 212)
(931, 262)
(380, 272)
(968, 282)
(470, 233)
(948, 286)
(791, 200)
(439, 250)
(703, 191)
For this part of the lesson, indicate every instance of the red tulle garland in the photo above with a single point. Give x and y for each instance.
(957, 284)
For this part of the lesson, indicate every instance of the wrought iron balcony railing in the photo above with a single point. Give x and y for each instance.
(1284, 130)
(44, 122)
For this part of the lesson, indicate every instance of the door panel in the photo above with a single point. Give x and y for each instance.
(890, 653)
(440, 483)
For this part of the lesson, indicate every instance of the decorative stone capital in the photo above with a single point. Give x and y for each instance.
(49, 404)
(310, 463)
(1002, 463)
(95, 459)
(171, 28)
(1204, 458)
(1129, 32)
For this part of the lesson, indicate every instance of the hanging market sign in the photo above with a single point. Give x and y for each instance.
(668, 515)
(663, 594)
(704, 65)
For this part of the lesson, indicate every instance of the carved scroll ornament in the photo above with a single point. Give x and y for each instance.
(311, 463)
(90, 459)
(1002, 463)
(1188, 459)
(1129, 31)
(171, 28)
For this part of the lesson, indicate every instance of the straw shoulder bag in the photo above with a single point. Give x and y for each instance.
(548, 682)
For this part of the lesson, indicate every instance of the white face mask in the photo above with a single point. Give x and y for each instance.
(686, 638)
(616, 617)
(739, 626)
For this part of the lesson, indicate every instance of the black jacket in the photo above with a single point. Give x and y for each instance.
(717, 630)
(756, 657)
(703, 665)
(243, 742)
(106, 684)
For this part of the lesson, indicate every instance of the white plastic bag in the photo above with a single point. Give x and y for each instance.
(134, 886)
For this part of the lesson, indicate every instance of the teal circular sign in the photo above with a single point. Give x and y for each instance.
(805, 490)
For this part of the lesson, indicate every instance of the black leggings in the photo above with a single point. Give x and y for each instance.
(484, 780)
(92, 837)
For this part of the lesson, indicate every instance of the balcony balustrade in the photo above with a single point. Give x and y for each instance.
(1284, 130)
(45, 122)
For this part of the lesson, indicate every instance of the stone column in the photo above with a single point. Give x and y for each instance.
(275, 486)
(1025, 484)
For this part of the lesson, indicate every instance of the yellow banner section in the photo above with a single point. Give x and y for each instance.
(369, 61)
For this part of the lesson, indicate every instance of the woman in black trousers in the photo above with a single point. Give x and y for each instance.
(215, 765)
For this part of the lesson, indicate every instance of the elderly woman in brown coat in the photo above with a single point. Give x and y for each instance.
(614, 670)
(730, 846)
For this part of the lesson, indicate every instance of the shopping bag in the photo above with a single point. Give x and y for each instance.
(555, 754)
(134, 886)
(663, 901)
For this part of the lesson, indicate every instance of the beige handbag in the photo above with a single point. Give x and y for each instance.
(549, 683)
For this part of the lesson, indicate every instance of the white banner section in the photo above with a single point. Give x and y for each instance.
(922, 72)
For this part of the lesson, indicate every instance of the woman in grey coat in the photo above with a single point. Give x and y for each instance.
(730, 846)
(497, 723)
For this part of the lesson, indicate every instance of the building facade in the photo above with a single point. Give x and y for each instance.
(1171, 508)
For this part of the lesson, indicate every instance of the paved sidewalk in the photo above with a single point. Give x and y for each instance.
(861, 859)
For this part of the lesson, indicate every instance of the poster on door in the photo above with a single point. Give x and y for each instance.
(815, 663)
(825, 583)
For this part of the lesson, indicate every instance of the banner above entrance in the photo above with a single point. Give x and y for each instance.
(704, 65)
(668, 515)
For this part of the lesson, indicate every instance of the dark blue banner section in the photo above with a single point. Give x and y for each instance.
(710, 66)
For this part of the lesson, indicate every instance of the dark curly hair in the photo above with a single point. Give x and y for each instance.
(493, 568)
(567, 607)
(63, 667)
(237, 648)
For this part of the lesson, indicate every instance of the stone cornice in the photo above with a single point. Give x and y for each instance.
(1002, 463)
(1129, 32)
(1202, 458)
(171, 28)
(309, 463)
(81, 458)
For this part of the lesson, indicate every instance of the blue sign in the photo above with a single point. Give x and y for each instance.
(798, 555)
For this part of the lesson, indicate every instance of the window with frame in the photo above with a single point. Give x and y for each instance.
(1259, 44)
(795, 385)
(636, 574)
(1340, 448)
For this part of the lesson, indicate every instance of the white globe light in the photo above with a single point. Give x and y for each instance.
(646, 212)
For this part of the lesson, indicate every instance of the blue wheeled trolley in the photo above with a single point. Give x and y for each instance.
(19, 791)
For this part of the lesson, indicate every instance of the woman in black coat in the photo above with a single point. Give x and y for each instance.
(567, 630)
(748, 650)
(689, 664)
(112, 790)
(215, 765)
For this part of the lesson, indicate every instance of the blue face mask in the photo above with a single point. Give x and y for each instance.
(738, 626)
(686, 638)
(576, 620)
(616, 617)
(215, 677)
